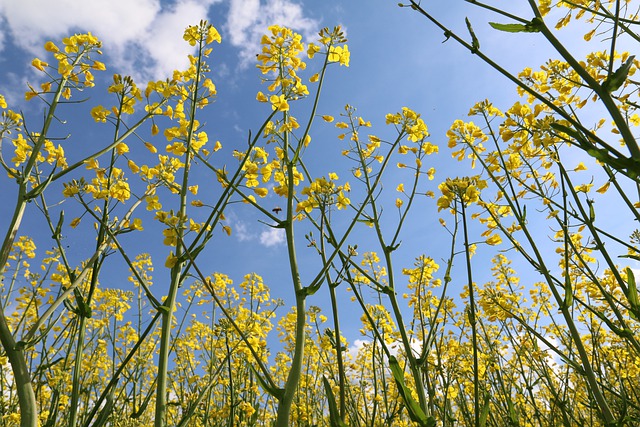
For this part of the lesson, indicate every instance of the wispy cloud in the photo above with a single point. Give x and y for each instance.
(143, 38)
(248, 21)
(241, 231)
(272, 237)
(246, 232)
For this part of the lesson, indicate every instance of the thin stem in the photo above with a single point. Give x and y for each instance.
(472, 317)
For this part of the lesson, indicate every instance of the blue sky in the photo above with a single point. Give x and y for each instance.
(398, 59)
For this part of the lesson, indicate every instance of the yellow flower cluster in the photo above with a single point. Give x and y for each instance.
(460, 190)
(410, 123)
(322, 193)
(74, 61)
(280, 57)
(24, 147)
(112, 186)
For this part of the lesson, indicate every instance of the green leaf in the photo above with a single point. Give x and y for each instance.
(592, 211)
(636, 257)
(58, 230)
(107, 410)
(568, 292)
(484, 414)
(632, 293)
(334, 416)
(84, 309)
(513, 415)
(530, 27)
(416, 413)
(275, 392)
(312, 289)
(509, 28)
(618, 77)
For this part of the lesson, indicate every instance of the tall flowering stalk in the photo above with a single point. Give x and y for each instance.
(74, 63)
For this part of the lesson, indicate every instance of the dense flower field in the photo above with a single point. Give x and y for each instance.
(184, 344)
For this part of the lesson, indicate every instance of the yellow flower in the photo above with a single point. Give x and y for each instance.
(494, 239)
(213, 35)
(97, 65)
(312, 50)
(39, 64)
(171, 260)
(120, 191)
(51, 47)
(342, 201)
(28, 96)
(122, 148)
(150, 147)
(99, 113)
(279, 103)
(177, 148)
(327, 118)
(261, 97)
(604, 187)
(260, 191)
(585, 188)
(580, 167)
(340, 54)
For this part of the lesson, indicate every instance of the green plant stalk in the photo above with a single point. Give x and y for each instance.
(334, 313)
(397, 312)
(472, 317)
(604, 96)
(575, 334)
(530, 91)
(95, 272)
(83, 274)
(114, 379)
(21, 375)
(541, 267)
(176, 271)
(339, 356)
(293, 377)
(26, 395)
(336, 327)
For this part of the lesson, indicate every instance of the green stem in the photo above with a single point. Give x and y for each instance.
(177, 274)
(472, 318)
(604, 96)
(26, 395)
(293, 378)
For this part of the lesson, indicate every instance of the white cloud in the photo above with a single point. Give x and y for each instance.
(248, 21)
(245, 232)
(272, 237)
(143, 38)
(241, 231)
(357, 345)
